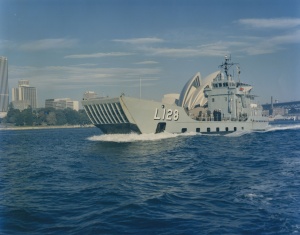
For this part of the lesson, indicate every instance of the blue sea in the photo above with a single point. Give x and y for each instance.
(77, 181)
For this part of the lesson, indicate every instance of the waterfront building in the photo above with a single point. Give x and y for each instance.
(62, 103)
(89, 95)
(3, 86)
(21, 104)
(25, 93)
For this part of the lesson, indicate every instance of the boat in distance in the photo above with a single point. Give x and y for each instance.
(216, 104)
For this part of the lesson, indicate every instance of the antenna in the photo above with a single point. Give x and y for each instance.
(239, 72)
(226, 66)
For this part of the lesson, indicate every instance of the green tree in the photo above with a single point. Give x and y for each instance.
(72, 116)
(12, 115)
(46, 116)
(27, 115)
(51, 118)
(84, 119)
(60, 117)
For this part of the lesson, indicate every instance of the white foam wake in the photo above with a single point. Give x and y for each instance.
(238, 133)
(270, 128)
(132, 137)
(119, 138)
(282, 127)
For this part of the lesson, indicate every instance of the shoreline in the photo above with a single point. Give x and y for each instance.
(20, 128)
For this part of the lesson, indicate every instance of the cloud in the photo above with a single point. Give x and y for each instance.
(213, 49)
(98, 55)
(7, 44)
(267, 45)
(81, 75)
(47, 44)
(275, 23)
(293, 37)
(140, 40)
(147, 62)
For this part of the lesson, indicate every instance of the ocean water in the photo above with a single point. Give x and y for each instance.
(77, 181)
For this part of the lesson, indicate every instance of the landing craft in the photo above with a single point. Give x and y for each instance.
(216, 104)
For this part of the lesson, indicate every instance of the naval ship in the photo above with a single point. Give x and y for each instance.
(216, 104)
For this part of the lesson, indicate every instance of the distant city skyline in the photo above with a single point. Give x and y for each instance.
(67, 48)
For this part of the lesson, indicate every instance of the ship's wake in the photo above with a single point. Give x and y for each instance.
(282, 127)
(133, 137)
(270, 128)
(123, 138)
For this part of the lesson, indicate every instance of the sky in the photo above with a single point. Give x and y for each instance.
(67, 47)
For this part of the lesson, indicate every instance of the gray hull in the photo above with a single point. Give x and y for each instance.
(125, 115)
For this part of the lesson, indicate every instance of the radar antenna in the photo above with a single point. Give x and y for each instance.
(226, 66)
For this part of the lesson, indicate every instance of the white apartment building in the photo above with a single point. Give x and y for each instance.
(25, 93)
(62, 103)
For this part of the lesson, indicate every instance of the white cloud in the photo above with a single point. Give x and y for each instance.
(6, 44)
(140, 40)
(98, 55)
(279, 23)
(80, 75)
(47, 44)
(215, 49)
(147, 62)
(293, 37)
(267, 45)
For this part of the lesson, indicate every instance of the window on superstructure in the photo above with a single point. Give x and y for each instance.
(218, 129)
(197, 129)
(208, 129)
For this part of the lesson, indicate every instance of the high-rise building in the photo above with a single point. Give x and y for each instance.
(3, 86)
(26, 93)
(62, 103)
(23, 83)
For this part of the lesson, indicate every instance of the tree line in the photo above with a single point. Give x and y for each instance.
(46, 117)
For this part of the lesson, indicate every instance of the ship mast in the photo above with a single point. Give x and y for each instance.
(226, 66)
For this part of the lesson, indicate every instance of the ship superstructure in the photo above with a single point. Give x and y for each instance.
(216, 104)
